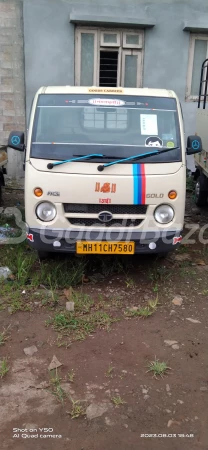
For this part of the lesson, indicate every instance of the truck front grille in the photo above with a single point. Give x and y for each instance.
(97, 208)
(86, 222)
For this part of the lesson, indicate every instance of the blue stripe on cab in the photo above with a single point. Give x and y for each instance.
(137, 184)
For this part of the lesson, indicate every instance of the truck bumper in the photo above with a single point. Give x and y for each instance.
(64, 241)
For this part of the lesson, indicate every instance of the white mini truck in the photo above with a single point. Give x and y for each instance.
(105, 170)
(201, 159)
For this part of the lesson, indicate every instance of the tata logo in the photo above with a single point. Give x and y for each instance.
(105, 216)
(154, 195)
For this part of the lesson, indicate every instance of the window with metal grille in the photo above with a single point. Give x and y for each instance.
(109, 57)
(108, 68)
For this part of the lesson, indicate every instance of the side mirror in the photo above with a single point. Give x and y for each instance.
(194, 145)
(17, 140)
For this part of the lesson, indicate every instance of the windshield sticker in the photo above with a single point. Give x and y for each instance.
(170, 144)
(148, 123)
(153, 141)
(106, 102)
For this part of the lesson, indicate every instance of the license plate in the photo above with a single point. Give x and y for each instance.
(105, 248)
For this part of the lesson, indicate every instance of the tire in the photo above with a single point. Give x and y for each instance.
(201, 190)
(1, 196)
(43, 255)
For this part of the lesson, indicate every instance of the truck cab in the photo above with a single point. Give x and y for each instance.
(105, 170)
(201, 159)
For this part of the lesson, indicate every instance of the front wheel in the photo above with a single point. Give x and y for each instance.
(201, 190)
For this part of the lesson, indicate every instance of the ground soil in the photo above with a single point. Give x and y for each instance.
(175, 405)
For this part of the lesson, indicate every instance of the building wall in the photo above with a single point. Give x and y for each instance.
(12, 87)
(49, 49)
(49, 42)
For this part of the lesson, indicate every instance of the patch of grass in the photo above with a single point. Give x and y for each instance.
(101, 303)
(82, 302)
(4, 336)
(153, 304)
(205, 292)
(62, 343)
(56, 388)
(103, 320)
(78, 327)
(187, 271)
(159, 368)
(116, 301)
(144, 312)
(71, 376)
(204, 250)
(182, 249)
(109, 372)
(190, 184)
(4, 368)
(108, 303)
(64, 320)
(155, 288)
(60, 273)
(77, 410)
(12, 296)
(117, 401)
(56, 273)
(53, 299)
(130, 283)
(20, 260)
(80, 336)
(109, 266)
(19, 305)
(160, 273)
(24, 263)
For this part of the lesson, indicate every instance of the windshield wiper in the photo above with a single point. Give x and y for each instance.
(103, 156)
(136, 157)
(79, 158)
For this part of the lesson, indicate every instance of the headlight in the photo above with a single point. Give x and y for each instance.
(164, 214)
(46, 211)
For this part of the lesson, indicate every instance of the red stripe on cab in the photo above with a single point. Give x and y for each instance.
(143, 184)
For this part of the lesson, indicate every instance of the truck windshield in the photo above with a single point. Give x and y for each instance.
(117, 125)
